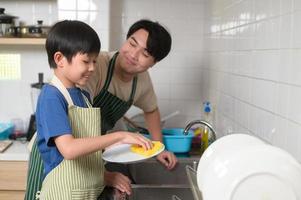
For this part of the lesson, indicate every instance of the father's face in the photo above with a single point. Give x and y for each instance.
(134, 57)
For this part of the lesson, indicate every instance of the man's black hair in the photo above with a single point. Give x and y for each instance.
(159, 40)
(71, 37)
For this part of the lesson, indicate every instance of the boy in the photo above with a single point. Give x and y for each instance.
(68, 127)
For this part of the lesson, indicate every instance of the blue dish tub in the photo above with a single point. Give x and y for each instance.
(5, 130)
(175, 141)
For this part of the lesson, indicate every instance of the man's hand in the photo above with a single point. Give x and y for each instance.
(168, 159)
(118, 181)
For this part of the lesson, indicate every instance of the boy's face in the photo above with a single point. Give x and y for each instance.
(78, 71)
(134, 57)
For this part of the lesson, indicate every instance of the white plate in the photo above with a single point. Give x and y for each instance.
(123, 154)
(254, 171)
(223, 148)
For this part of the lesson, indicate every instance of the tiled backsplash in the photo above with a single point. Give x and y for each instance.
(253, 60)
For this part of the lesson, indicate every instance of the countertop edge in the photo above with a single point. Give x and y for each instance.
(16, 152)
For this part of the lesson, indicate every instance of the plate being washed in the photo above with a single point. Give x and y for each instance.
(123, 154)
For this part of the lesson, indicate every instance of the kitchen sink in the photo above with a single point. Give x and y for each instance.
(151, 172)
(160, 192)
(150, 180)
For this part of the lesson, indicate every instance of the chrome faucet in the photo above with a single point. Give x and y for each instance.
(185, 132)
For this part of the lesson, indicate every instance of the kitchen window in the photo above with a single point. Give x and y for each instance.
(10, 67)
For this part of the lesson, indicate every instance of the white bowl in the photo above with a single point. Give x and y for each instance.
(250, 170)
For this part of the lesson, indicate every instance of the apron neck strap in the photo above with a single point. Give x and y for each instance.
(59, 85)
(110, 76)
(110, 71)
(87, 101)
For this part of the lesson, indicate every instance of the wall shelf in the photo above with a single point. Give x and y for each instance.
(22, 41)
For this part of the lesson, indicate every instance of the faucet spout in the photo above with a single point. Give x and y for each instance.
(187, 128)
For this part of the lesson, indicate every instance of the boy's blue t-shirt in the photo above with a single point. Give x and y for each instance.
(52, 121)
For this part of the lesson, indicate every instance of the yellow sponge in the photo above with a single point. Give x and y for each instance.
(139, 150)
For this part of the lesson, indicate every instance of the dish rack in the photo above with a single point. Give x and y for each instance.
(192, 177)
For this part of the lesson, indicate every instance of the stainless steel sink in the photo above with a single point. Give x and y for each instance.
(152, 172)
(160, 192)
(152, 181)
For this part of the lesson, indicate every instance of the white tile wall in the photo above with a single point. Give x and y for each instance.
(258, 64)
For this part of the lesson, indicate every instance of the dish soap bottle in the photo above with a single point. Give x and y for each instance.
(196, 142)
(205, 140)
(207, 117)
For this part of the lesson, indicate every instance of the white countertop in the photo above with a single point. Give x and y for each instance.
(16, 152)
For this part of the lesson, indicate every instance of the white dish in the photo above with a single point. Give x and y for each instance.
(224, 147)
(254, 171)
(122, 154)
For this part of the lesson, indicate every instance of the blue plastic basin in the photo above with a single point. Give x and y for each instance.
(175, 141)
(5, 130)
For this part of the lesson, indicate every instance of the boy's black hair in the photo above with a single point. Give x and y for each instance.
(158, 43)
(71, 37)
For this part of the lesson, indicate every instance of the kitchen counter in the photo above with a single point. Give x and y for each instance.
(16, 152)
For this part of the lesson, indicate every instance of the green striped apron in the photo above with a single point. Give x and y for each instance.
(81, 178)
(112, 109)
(34, 172)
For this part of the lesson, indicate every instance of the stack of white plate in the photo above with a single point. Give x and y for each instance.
(243, 167)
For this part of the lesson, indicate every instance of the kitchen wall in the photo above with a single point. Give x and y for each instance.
(15, 101)
(176, 78)
(251, 69)
(16, 93)
(241, 55)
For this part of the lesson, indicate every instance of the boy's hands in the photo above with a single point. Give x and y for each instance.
(136, 138)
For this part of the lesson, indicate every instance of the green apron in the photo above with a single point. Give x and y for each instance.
(112, 109)
(81, 178)
(34, 173)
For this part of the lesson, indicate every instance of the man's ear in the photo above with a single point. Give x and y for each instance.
(59, 59)
(155, 62)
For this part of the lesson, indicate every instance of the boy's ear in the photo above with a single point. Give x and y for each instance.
(59, 59)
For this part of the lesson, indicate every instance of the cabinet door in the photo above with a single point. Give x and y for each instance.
(13, 179)
(12, 195)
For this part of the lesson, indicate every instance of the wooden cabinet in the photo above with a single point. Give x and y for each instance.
(13, 176)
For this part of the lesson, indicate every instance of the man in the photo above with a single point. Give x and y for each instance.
(121, 80)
